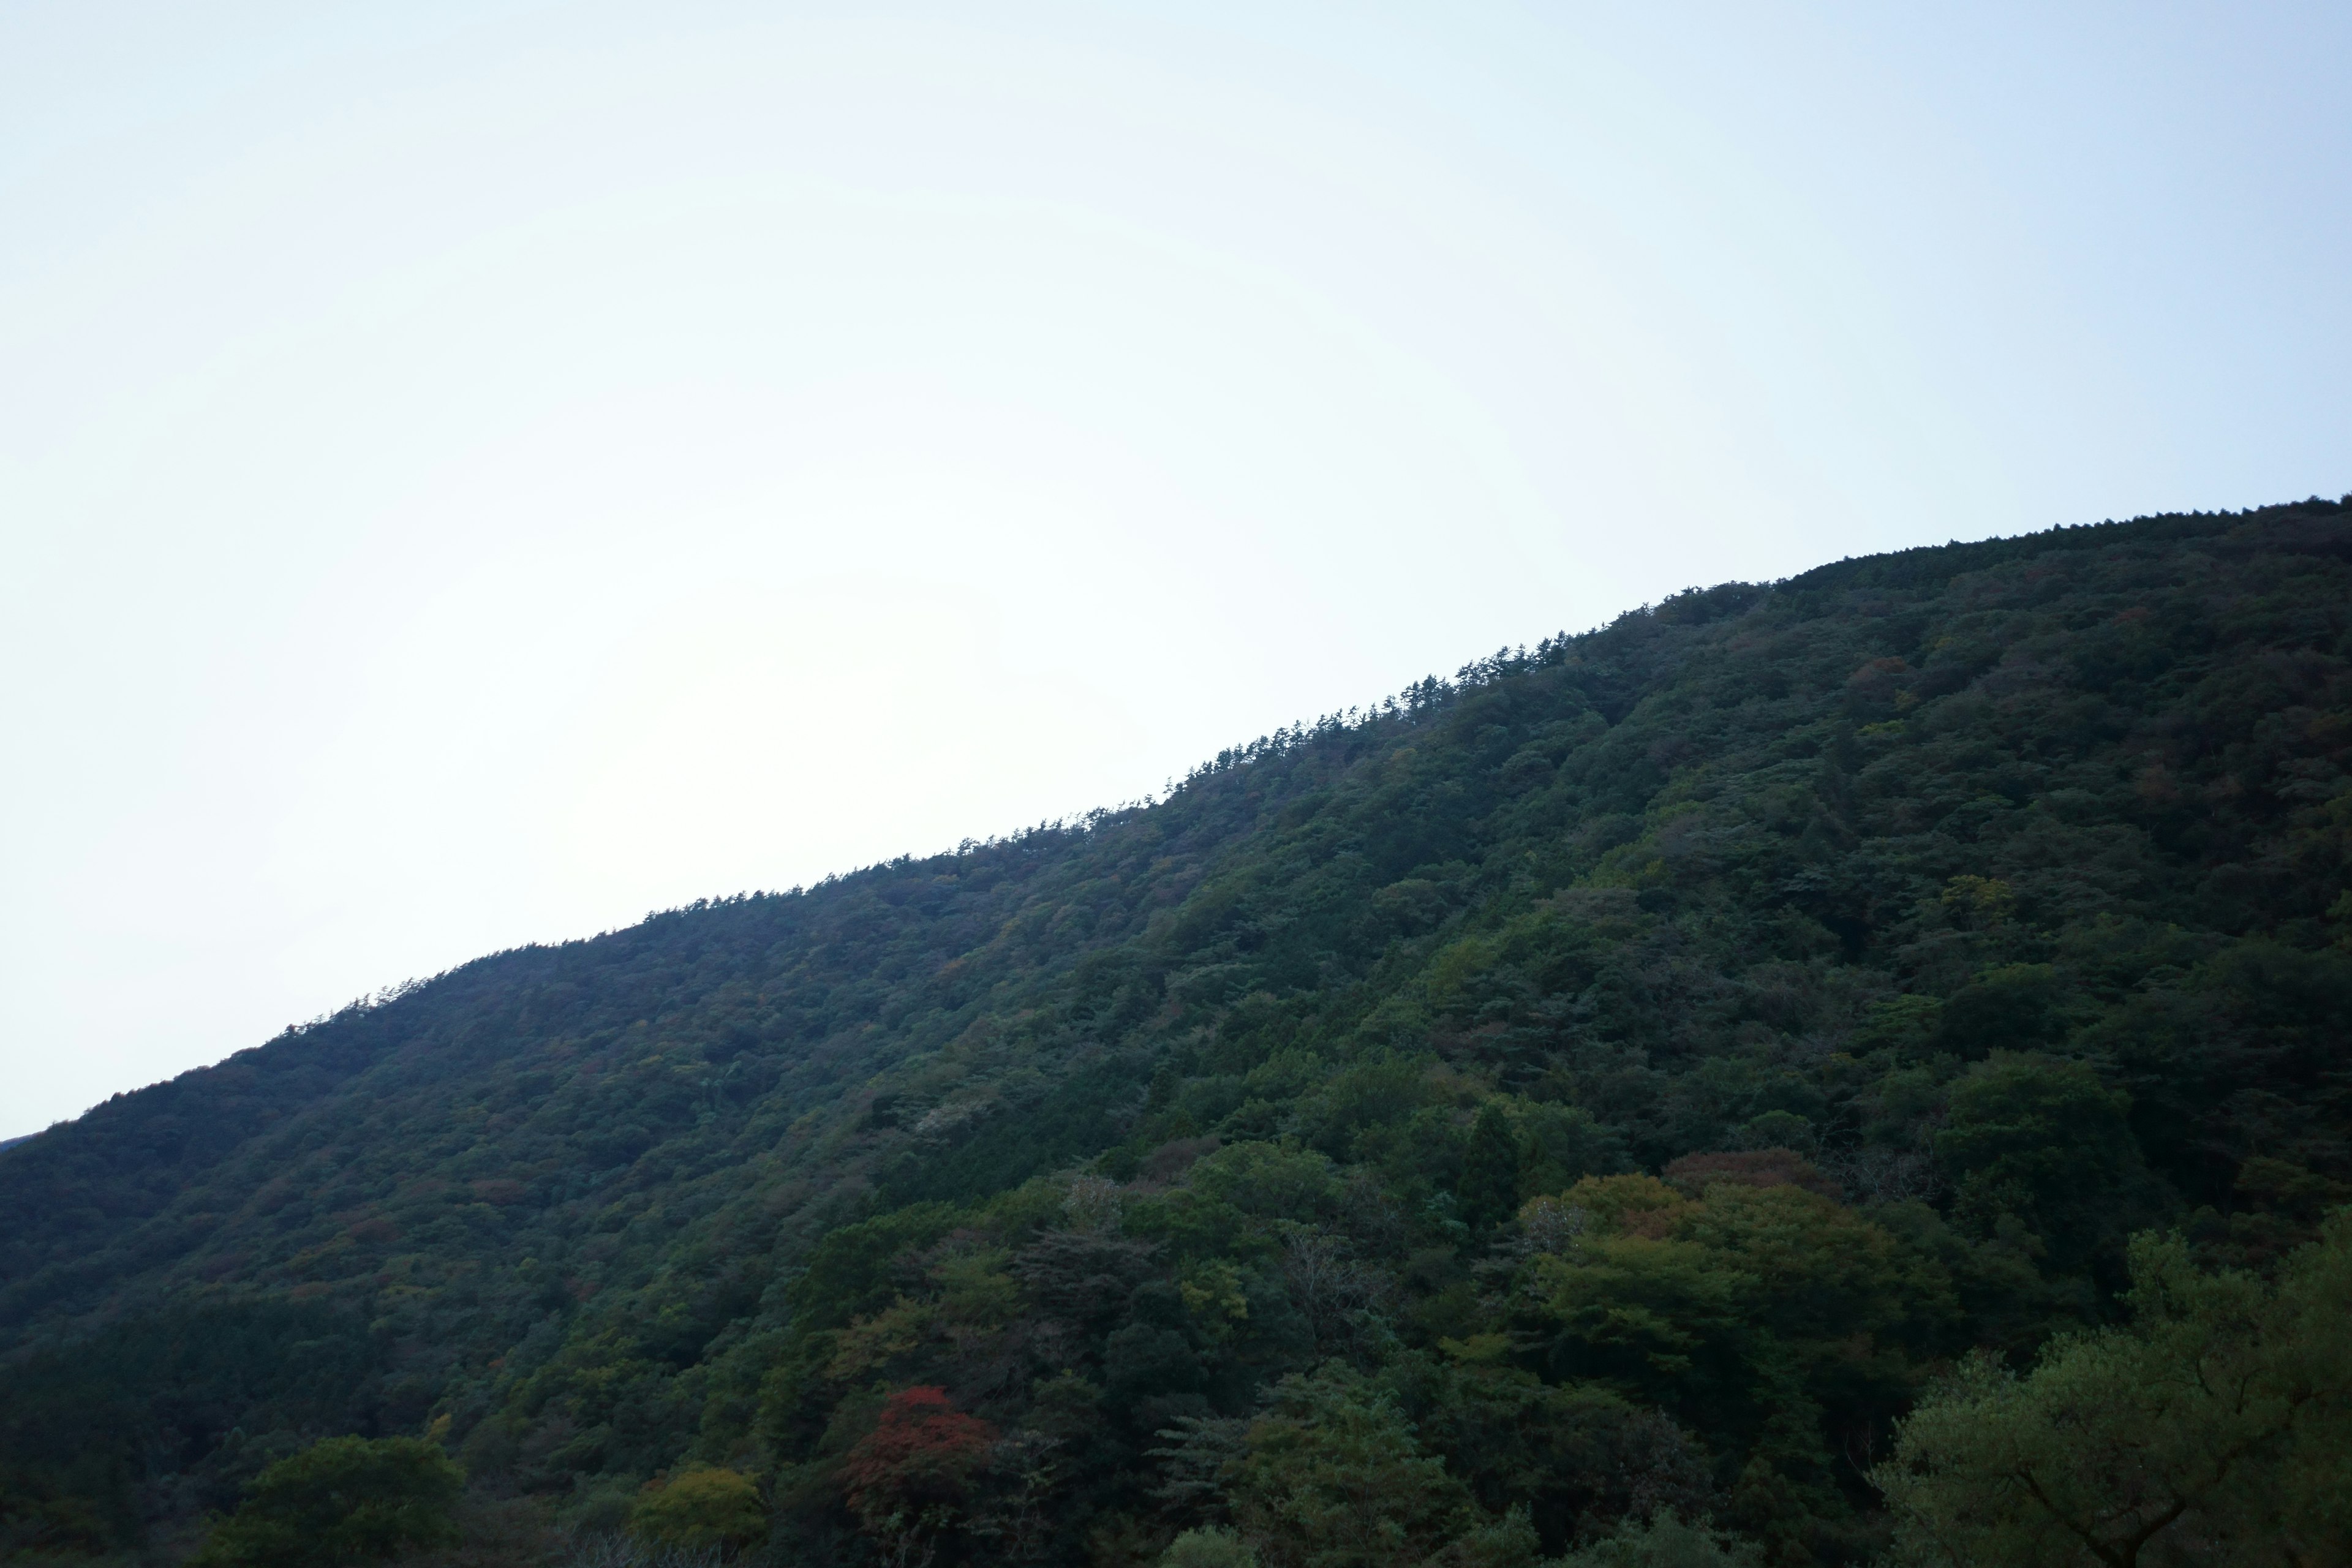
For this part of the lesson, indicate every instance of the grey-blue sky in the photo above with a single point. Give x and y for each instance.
(472, 473)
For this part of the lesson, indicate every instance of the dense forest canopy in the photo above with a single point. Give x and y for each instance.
(1585, 1102)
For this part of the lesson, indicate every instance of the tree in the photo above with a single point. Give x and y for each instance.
(906, 1479)
(1662, 1540)
(1572, 1459)
(1208, 1547)
(2215, 1428)
(2043, 1140)
(700, 1510)
(1489, 1188)
(345, 1499)
(1334, 1478)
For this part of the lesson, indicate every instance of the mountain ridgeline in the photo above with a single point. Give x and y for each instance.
(1591, 1098)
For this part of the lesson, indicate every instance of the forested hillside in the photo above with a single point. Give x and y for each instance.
(1610, 1087)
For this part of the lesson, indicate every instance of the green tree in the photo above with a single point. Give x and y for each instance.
(1570, 1459)
(1490, 1189)
(345, 1499)
(1209, 1547)
(1333, 1477)
(2215, 1428)
(1661, 1541)
(2047, 1142)
(700, 1510)
(1768, 1318)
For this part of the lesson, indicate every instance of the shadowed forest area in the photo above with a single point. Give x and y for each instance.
(1818, 1072)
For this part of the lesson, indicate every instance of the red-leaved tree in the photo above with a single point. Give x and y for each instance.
(904, 1479)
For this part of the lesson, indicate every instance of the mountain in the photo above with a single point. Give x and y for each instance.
(1621, 1075)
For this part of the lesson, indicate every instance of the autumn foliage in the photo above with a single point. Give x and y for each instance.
(922, 1453)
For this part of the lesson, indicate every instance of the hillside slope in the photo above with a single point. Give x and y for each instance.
(1931, 922)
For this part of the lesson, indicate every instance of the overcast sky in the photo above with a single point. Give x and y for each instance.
(472, 474)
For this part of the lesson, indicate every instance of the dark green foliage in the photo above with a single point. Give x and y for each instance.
(1332, 1476)
(343, 1500)
(2042, 1144)
(1488, 1192)
(206, 1394)
(1662, 1540)
(2216, 1427)
(1599, 1091)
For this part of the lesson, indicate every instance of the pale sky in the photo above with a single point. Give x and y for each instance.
(470, 474)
